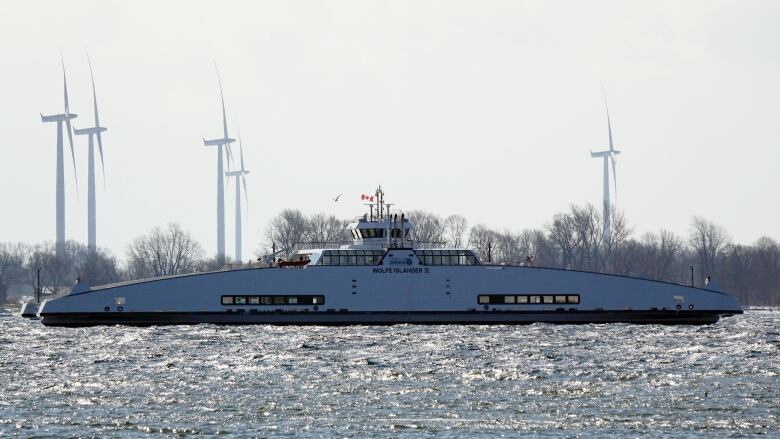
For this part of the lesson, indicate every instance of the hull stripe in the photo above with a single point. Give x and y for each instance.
(671, 317)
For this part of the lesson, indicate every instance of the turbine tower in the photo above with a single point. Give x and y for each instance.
(93, 132)
(60, 197)
(240, 176)
(608, 156)
(225, 142)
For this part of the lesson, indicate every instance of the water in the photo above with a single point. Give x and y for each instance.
(438, 381)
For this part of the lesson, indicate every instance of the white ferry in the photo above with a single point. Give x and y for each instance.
(383, 278)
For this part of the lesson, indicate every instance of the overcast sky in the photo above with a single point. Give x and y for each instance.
(487, 109)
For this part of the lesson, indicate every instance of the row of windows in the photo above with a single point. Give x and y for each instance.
(571, 299)
(273, 300)
(446, 257)
(351, 257)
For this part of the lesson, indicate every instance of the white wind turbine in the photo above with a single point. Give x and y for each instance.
(93, 132)
(240, 176)
(60, 194)
(608, 156)
(225, 142)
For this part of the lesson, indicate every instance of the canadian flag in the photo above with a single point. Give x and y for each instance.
(367, 197)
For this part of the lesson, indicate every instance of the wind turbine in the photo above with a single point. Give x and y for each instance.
(608, 156)
(240, 176)
(93, 132)
(224, 141)
(60, 197)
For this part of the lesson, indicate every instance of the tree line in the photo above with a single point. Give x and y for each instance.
(570, 240)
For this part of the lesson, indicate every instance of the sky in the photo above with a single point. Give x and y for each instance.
(486, 109)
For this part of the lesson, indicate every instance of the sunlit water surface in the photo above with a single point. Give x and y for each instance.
(446, 381)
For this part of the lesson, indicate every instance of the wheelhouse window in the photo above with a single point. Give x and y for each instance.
(446, 257)
(371, 233)
(274, 300)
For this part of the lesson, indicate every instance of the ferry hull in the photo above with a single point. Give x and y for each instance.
(343, 318)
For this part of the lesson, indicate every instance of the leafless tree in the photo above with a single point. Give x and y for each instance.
(325, 229)
(455, 228)
(11, 272)
(286, 230)
(428, 227)
(563, 234)
(163, 252)
(98, 267)
(483, 241)
(588, 227)
(707, 240)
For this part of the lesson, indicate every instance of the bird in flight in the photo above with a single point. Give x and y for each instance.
(337, 197)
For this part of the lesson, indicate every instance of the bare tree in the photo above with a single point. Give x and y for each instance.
(588, 227)
(325, 229)
(563, 234)
(707, 240)
(428, 227)
(11, 272)
(163, 252)
(286, 230)
(455, 228)
(483, 241)
(98, 267)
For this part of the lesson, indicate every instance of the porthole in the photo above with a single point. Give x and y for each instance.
(486, 307)
(690, 306)
(119, 308)
(106, 309)
(679, 306)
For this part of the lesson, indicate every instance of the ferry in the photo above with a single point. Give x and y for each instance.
(384, 278)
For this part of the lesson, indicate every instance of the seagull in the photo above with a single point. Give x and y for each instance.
(337, 197)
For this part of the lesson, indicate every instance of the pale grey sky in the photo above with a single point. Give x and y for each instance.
(487, 109)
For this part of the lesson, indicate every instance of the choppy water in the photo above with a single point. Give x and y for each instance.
(446, 381)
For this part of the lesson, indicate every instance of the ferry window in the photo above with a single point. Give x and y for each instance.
(535, 299)
(352, 259)
(509, 299)
(522, 299)
(573, 299)
(227, 300)
(326, 259)
(266, 300)
(560, 299)
(254, 300)
(292, 300)
(278, 300)
(484, 299)
(240, 300)
(548, 299)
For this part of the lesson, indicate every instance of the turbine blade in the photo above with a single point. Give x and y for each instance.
(68, 126)
(614, 177)
(609, 123)
(102, 165)
(222, 99)
(229, 156)
(246, 197)
(241, 149)
(94, 94)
